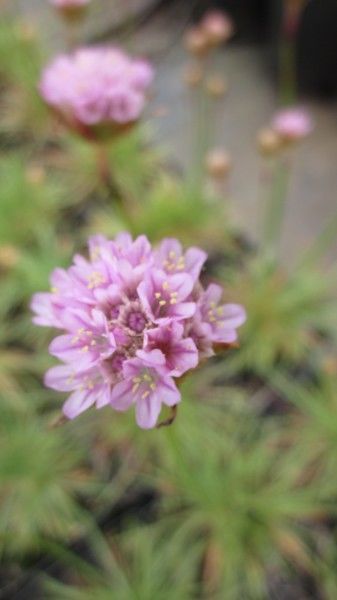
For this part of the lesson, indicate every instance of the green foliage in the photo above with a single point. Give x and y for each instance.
(239, 492)
(38, 483)
(23, 112)
(287, 313)
(27, 202)
(146, 563)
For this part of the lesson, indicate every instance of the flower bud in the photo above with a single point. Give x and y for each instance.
(196, 42)
(71, 10)
(268, 141)
(9, 257)
(193, 75)
(216, 86)
(217, 26)
(218, 163)
(35, 174)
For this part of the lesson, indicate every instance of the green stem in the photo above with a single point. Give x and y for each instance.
(274, 210)
(110, 182)
(288, 79)
(322, 243)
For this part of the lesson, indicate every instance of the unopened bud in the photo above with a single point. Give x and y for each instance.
(268, 142)
(26, 32)
(216, 86)
(35, 174)
(218, 27)
(218, 163)
(9, 256)
(196, 42)
(193, 75)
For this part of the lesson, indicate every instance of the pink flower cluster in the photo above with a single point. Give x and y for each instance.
(292, 124)
(134, 319)
(97, 86)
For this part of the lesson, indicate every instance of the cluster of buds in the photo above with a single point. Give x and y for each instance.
(134, 320)
(99, 92)
(214, 29)
(288, 126)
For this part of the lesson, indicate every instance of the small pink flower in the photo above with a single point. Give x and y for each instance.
(220, 321)
(132, 320)
(170, 258)
(97, 90)
(147, 385)
(292, 124)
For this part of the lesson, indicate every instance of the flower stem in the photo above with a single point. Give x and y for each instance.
(274, 210)
(109, 182)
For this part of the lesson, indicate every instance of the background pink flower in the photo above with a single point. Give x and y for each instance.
(292, 123)
(98, 86)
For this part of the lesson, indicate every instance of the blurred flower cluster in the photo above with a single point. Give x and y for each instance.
(97, 91)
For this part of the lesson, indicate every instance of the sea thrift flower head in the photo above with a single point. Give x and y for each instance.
(97, 91)
(292, 124)
(217, 26)
(133, 320)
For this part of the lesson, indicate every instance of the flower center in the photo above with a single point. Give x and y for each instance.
(132, 317)
(114, 312)
(136, 321)
(112, 367)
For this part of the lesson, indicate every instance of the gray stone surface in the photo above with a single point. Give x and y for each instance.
(249, 105)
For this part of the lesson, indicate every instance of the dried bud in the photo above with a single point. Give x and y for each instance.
(35, 174)
(218, 27)
(73, 14)
(216, 86)
(26, 32)
(71, 10)
(193, 75)
(268, 141)
(196, 42)
(218, 163)
(9, 256)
